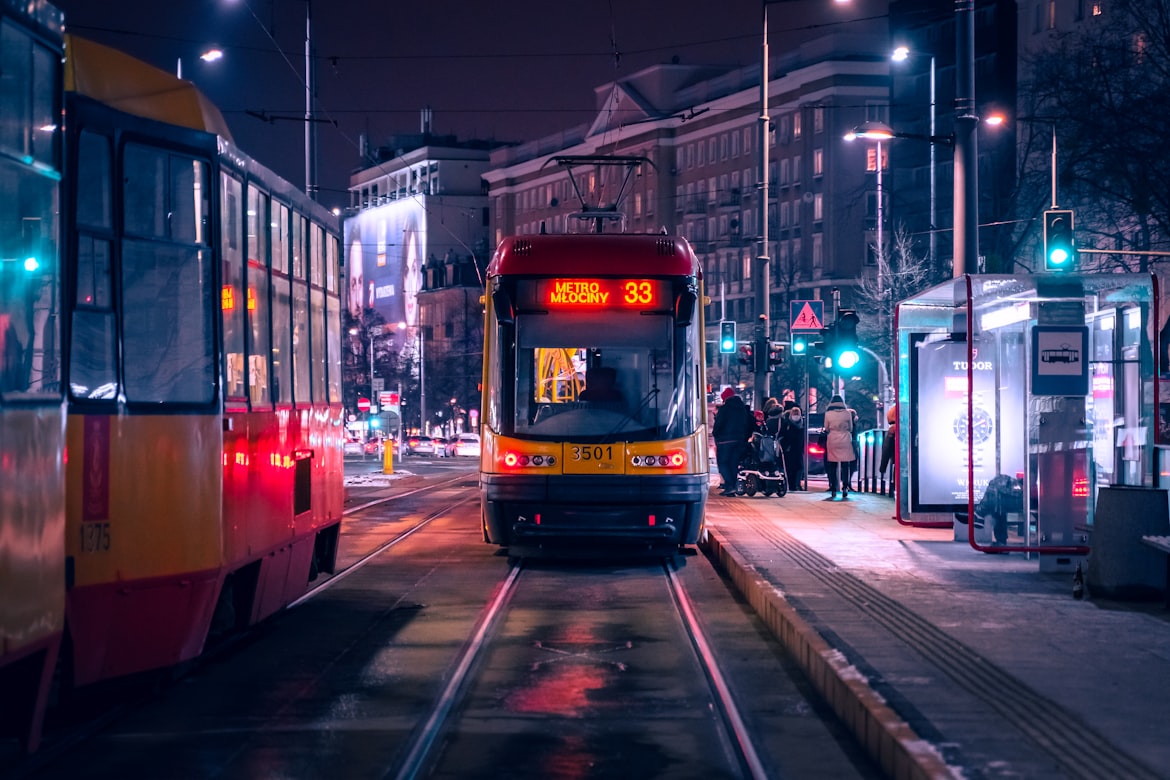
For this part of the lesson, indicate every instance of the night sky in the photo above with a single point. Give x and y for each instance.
(510, 69)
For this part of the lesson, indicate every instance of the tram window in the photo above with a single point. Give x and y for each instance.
(29, 357)
(165, 195)
(259, 347)
(302, 390)
(279, 237)
(317, 343)
(94, 186)
(232, 301)
(166, 323)
(22, 92)
(333, 334)
(282, 343)
(332, 256)
(93, 372)
(299, 237)
(317, 255)
(259, 323)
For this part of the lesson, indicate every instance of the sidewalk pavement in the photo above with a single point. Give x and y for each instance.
(944, 661)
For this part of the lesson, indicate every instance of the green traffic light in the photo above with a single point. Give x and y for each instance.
(1058, 256)
(799, 345)
(848, 359)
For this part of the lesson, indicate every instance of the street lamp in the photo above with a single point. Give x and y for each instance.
(878, 132)
(901, 54)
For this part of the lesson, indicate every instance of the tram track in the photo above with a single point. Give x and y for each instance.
(1080, 751)
(423, 753)
(131, 695)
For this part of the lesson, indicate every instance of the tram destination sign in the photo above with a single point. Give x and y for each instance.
(602, 293)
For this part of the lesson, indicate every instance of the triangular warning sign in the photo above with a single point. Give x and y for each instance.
(807, 319)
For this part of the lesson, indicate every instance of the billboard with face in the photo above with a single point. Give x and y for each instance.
(385, 248)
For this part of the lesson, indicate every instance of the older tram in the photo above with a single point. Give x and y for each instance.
(205, 431)
(593, 412)
(32, 411)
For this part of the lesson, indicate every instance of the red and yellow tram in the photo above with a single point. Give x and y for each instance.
(205, 429)
(594, 379)
(32, 410)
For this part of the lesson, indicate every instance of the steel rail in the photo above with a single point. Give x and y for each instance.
(741, 741)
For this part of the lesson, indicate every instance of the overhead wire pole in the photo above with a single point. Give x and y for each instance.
(762, 273)
(966, 160)
(310, 129)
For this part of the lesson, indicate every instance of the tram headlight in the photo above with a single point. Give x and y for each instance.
(675, 459)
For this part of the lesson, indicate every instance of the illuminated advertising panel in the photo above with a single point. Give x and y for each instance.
(385, 250)
(942, 434)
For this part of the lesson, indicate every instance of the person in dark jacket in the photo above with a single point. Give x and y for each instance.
(792, 444)
(733, 427)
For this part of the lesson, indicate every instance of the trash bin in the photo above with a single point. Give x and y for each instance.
(1120, 566)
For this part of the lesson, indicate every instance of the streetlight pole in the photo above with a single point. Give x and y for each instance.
(901, 53)
(966, 160)
(422, 396)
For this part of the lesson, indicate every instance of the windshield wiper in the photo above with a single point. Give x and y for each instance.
(645, 400)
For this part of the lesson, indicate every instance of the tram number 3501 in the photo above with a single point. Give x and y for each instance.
(598, 452)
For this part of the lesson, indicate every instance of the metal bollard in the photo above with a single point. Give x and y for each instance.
(387, 457)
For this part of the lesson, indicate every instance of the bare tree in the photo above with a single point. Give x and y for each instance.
(900, 274)
(1101, 87)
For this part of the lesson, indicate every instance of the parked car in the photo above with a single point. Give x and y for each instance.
(419, 445)
(815, 456)
(353, 447)
(463, 445)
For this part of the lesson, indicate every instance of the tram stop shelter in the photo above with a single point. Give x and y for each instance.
(1024, 396)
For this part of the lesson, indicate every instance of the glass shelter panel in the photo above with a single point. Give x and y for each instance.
(1023, 395)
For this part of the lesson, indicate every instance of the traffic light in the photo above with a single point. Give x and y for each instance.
(776, 352)
(845, 352)
(799, 344)
(746, 356)
(727, 336)
(1059, 251)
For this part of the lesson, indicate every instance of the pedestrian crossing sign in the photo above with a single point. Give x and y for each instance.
(806, 316)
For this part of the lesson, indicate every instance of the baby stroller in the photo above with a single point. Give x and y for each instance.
(762, 468)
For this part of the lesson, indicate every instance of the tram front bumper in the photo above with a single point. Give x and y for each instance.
(658, 509)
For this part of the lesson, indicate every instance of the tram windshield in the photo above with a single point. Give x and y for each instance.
(602, 376)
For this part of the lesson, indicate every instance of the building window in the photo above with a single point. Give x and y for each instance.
(649, 202)
(785, 172)
(818, 250)
(734, 144)
(819, 119)
(711, 150)
(699, 154)
(818, 162)
(797, 171)
(637, 204)
(785, 214)
(796, 125)
(747, 140)
(818, 207)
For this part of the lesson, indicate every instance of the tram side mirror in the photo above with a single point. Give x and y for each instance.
(684, 307)
(502, 303)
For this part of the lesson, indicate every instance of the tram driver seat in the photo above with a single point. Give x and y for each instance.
(601, 386)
